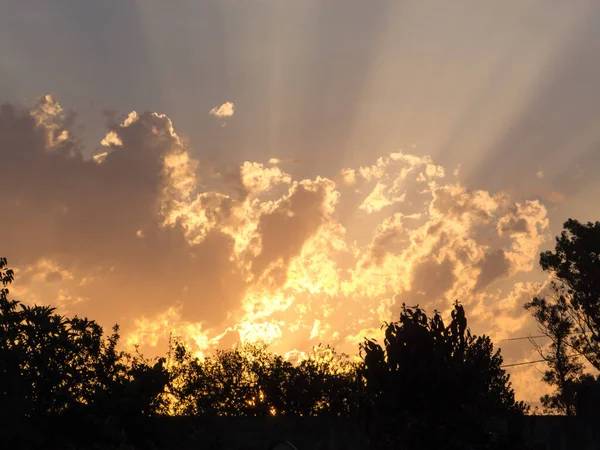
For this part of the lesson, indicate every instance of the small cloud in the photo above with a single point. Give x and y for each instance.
(100, 158)
(348, 176)
(284, 161)
(540, 174)
(64, 299)
(256, 178)
(111, 138)
(434, 171)
(225, 110)
(140, 233)
(456, 171)
(556, 197)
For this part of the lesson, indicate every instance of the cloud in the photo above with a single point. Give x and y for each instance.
(294, 219)
(86, 215)
(348, 177)
(112, 138)
(43, 270)
(390, 174)
(279, 161)
(556, 197)
(494, 265)
(147, 235)
(380, 197)
(100, 157)
(225, 110)
(64, 301)
(257, 179)
(527, 225)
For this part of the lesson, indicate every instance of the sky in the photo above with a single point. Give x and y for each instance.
(295, 170)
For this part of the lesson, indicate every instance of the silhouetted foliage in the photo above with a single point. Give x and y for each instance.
(433, 386)
(250, 381)
(51, 365)
(588, 399)
(570, 314)
(564, 372)
(428, 386)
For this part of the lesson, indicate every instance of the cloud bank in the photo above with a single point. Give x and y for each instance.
(146, 235)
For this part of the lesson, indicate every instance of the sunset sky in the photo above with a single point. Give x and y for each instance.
(295, 170)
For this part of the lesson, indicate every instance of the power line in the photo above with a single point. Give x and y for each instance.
(523, 363)
(535, 337)
(532, 337)
(575, 355)
(521, 338)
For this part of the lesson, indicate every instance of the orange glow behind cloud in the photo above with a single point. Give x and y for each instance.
(220, 255)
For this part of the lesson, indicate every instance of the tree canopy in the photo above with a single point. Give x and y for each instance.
(570, 313)
(249, 380)
(434, 386)
(51, 365)
(427, 382)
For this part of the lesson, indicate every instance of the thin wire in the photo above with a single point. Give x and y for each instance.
(521, 338)
(575, 355)
(534, 337)
(523, 363)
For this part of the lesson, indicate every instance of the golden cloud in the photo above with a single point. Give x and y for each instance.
(169, 244)
(225, 110)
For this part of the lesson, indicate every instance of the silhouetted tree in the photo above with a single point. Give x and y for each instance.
(52, 366)
(428, 385)
(575, 264)
(433, 386)
(250, 381)
(564, 372)
(570, 314)
(326, 383)
(587, 401)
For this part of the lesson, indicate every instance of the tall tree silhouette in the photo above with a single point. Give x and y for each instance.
(564, 373)
(433, 386)
(570, 314)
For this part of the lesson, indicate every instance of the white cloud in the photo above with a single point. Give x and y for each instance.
(111, 138)
(225, 110)
(100, 157)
